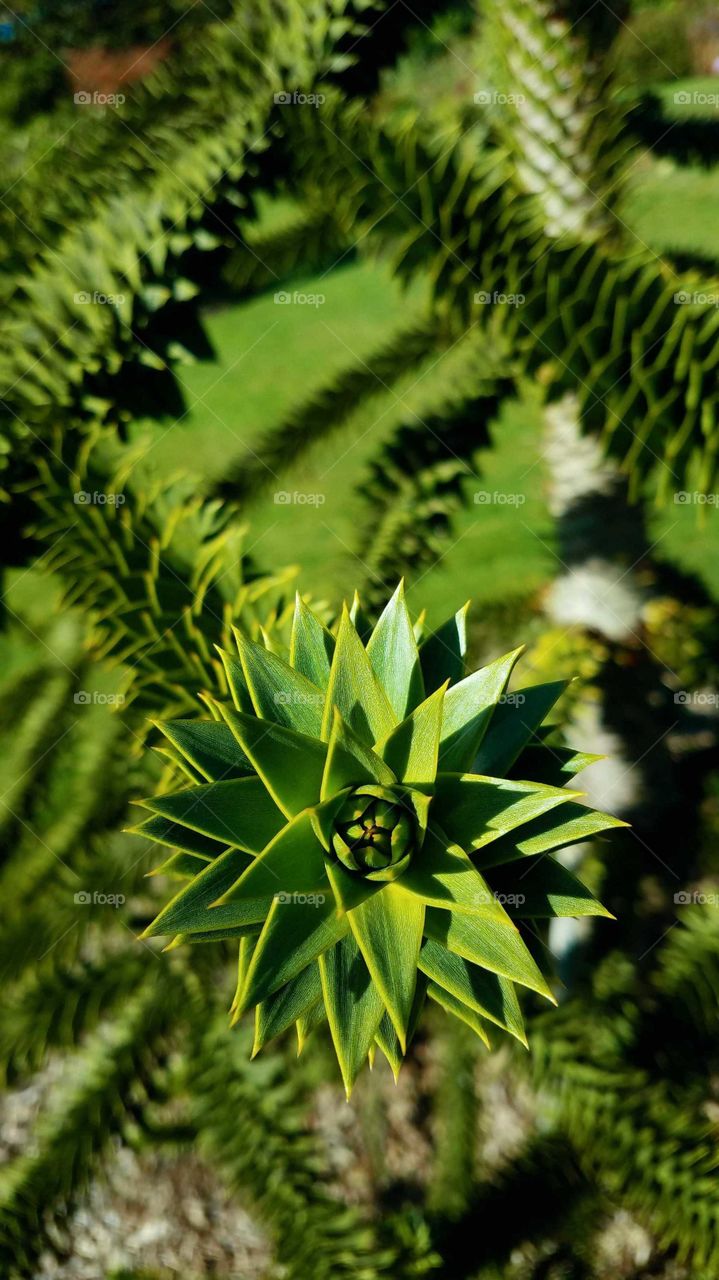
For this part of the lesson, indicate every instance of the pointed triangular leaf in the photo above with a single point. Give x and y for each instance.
(278, 692)
(294, 935)
(189, 911)
(552, 831)
(292, 865)
(359, 619)
(277, 1013)
(350, 762)
(553, 765)
(468, 709)
(452, 1005)
(488, 993)
(441, 875)
(411, 750)
(209, 746)
(311, 645)
(178, 837)
(491, 944)
(392, 651)
(308, 1022)
(353, 1004)
(236, 682)
(544, 889)
(247, 946)
(514, 724)
(386, 1036)
(238, 812)
(355, 690)
(443, 652)
(181, 866)
(349, 890)
(388, 929)
(290, 764)
(474, 811)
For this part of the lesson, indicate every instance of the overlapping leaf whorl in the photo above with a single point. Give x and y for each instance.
(362, 820)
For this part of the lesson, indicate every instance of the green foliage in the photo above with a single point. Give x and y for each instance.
(162, 202)
(136, 1032)
(385, 849)
(331, 408)
(110, 360)
(108, 1078)
(251, 1129)
(416, 484)
(654, 46)
(72, 25)
(160, 571)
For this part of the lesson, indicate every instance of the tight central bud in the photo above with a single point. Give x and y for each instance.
(375, 833)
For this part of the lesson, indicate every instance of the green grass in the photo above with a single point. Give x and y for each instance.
(674, 208)
(270, 356)
(695, 97)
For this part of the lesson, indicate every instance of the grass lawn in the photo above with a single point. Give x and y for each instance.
(270, 357)
(497, 549)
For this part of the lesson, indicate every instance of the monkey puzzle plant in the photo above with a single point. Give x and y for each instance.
(374, 826)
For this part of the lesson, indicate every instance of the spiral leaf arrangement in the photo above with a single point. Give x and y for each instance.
(374, 826)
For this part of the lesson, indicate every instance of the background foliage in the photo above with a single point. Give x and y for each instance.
(315, 370)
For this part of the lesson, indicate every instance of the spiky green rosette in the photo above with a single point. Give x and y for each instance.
(362, 819)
